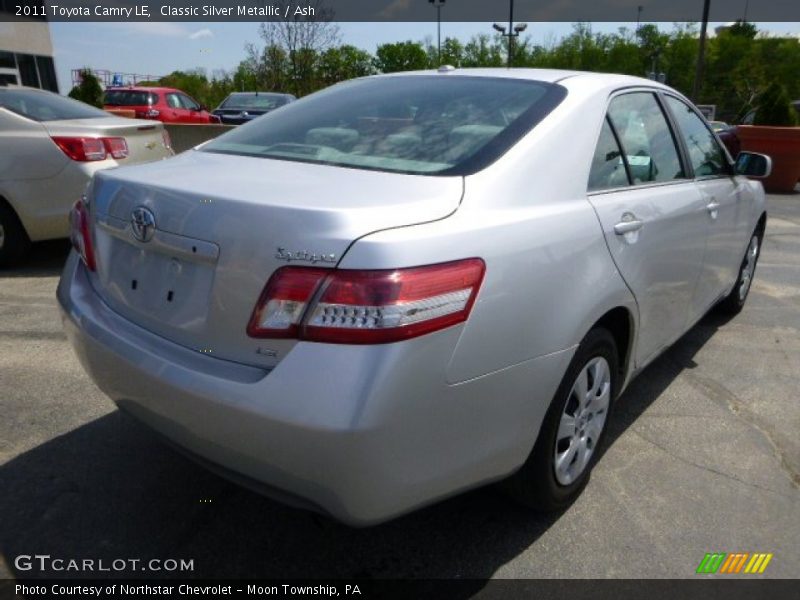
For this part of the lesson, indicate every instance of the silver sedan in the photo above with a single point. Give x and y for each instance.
(406, 286)
(50, 147)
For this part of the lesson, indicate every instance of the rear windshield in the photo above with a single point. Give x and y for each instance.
(129, 98)
(419, 124)
(260, 102)
(45, 106)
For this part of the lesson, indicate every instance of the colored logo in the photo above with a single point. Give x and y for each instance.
(734, 563)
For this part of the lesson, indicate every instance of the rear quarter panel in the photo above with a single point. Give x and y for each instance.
(549, 275)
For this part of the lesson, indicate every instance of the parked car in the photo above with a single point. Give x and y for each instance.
(242, 107)
(167, 105)
(718, 126)
(409, 285)
(50, 147)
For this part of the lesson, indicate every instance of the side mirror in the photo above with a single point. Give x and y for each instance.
(755, 166)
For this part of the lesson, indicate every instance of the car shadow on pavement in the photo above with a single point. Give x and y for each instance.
(46, 259)
(111, 490)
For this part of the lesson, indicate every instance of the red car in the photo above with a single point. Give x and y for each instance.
(162, 104)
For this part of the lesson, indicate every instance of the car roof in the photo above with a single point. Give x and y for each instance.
(545, 75)
(141, 88)
(259, 94)
(23, 88)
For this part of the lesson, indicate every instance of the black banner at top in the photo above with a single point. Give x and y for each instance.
(400, 10)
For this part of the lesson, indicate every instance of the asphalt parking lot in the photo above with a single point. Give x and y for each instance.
(704, 455)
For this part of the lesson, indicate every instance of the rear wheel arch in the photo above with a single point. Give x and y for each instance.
(5, 203)
(761, 226)
(619, 323)
(15, 239)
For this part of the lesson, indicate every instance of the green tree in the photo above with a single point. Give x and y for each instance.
(344, 62)
(88, 90)
(774, 108)
(400, 56)
(483, 51)
(744, 29)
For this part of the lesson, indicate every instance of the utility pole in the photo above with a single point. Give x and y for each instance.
(701, 54)
(512, 32)
(639, 10)
(438, 4)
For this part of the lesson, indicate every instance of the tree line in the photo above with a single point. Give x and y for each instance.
(303, 57)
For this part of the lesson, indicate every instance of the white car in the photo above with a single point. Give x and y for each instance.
(50, 147)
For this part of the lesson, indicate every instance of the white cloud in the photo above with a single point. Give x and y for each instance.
(202, 33)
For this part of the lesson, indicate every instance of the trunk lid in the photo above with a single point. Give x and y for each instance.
(224, 224)
(145, 138)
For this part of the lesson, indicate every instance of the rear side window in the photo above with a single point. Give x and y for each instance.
(415, 124)
(705, 154)
(646, 138)
(45, 106)
(130, 98)
(608, 168)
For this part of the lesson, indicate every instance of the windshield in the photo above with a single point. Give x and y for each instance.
(260, 102)
(129, 98)
(418, 124)
(45, 106)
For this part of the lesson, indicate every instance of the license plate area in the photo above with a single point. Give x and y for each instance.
(165, 283)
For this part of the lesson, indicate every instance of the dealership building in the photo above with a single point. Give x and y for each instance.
(26, 50)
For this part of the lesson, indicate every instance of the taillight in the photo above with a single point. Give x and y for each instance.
(366, 307)
(87, 149)
(117, 147)
(80, 235)
(283, 302)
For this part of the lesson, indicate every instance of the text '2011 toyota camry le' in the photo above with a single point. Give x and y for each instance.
(406, 286)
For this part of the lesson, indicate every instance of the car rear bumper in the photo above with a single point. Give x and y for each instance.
(364, 433)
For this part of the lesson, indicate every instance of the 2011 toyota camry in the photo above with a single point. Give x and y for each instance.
(407, 286)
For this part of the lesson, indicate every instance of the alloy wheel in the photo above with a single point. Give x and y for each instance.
(582, 420)
(748, 269)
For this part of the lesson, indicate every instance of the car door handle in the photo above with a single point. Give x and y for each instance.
(713, 208)
(628, 226)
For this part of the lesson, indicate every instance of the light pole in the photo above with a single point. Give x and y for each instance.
(639, 10)
(438, 4)
(701, 53)
(512, 32)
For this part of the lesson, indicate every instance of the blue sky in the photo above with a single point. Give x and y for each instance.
(159, 48)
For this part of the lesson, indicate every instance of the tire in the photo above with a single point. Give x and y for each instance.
(539, 484)
(14, 242)
(733, 303)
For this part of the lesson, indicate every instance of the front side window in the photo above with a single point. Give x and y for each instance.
(188, 103)
(173, 101)
(442, 125)
(646, 138)
(608, 168)
(705, 154)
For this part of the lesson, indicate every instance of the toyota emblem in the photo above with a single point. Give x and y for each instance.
(143, 224)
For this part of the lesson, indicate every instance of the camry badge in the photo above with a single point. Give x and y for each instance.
(304, 256)
(143, 224)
